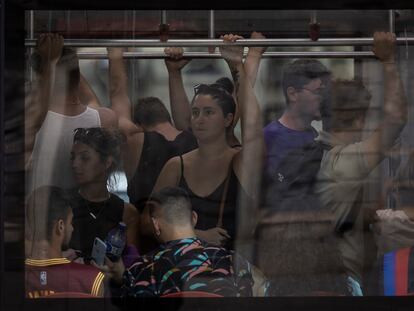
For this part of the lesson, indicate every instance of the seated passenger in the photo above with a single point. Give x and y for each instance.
(95, 156)
(182, 262)
(47, 271)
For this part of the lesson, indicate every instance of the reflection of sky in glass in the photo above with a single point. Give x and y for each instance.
(120, 187)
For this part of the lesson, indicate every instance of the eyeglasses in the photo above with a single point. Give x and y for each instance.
(198, 87)
(317, 92)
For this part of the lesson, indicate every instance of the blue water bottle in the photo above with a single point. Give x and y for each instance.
(115, 242)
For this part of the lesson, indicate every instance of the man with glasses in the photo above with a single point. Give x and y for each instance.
(291, 167)
(304, 84)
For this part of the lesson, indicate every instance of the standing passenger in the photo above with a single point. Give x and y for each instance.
(151, 138)
(217, 176)
(345, 167)
(180, 105)
(57, 112)
(304, 84)
(95, 156)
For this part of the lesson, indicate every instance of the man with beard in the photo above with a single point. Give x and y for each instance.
(47, 271)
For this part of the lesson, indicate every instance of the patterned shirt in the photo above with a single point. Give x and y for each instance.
(188, 265)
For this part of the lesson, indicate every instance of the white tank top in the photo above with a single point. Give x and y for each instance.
(53, 143)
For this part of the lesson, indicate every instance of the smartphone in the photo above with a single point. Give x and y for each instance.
(99, 251)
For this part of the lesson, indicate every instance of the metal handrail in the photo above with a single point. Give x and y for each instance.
(286, 54)
(218, 42)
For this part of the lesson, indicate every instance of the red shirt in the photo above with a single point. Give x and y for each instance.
(48, 276)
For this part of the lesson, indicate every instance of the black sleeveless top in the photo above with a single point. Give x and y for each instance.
(108, 214)
(156, 151)
(208, 207)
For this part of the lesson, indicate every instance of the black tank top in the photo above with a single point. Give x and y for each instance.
(156, 151)
(108, 214)
(208, 207)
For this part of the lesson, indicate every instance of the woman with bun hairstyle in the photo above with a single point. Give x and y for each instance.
(220, 178)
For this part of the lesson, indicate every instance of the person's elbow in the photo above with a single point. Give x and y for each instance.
(398, 117)
(108, 117)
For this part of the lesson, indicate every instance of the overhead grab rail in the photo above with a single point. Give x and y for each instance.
(158, 55)
(219, 42)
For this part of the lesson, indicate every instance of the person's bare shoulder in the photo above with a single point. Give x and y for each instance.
(130, 211)
(173, 163)
(189, 156)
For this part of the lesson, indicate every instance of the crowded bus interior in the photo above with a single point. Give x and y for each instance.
(198, 153)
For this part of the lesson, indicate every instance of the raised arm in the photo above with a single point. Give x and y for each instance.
(180, 105)
(134, 138)
(248, 161)
(49, 49)
(86, 94)
(118, 84)
(254, 55)
(251, 67)
(395, 103)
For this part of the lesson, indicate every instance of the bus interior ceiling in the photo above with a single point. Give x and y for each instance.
(194, 24)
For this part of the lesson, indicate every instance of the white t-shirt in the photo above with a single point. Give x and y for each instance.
(50, 160)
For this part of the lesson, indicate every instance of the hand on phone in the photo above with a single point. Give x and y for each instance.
(99, 251)
(113, 270)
